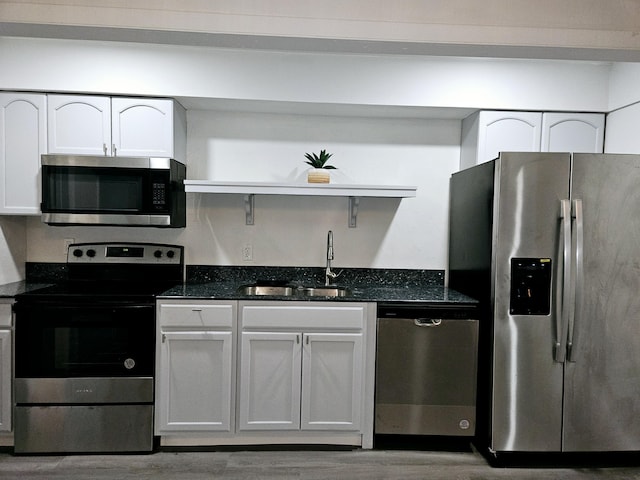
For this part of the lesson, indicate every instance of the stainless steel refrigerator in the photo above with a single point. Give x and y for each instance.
(550, 243)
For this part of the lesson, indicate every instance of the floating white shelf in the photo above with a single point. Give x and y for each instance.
(249, 189)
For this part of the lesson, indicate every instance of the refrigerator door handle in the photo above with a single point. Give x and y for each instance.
(579, 282)
(559, 351)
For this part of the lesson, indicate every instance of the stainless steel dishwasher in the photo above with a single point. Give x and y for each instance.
(426, 369)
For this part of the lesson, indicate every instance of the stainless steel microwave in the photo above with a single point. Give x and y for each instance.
(125, 191)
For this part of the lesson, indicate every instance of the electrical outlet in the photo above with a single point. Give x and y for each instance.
(247, 252)
(67, 242)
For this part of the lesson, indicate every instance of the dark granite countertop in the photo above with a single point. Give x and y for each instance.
(386, 294)
(9, 290)
(222, 283)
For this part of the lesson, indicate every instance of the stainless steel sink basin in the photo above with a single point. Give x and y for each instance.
(290, 291)
(325, 291)
(273, 290)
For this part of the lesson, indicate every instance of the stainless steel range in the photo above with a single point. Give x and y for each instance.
(84, 351)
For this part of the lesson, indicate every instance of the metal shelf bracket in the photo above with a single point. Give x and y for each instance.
(354, 203)
(249, 204)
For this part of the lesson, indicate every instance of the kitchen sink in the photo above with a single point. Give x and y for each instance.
(273, 290)
(289, 291)
(325, 291)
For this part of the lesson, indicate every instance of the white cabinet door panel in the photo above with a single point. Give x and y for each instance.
(142, 127)
(6, 403)
(270, 381)
(579, 133)
(332, 381)
(508, 132)
(79, 124)
(195, 381)
(23, 138)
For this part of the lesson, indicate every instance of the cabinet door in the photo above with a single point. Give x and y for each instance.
(142, 127)
(194, 382)
(508, 132)
(270, 381)
(573, 132)
(5, 381)
(332, 370)
(23, 137)
(79, 124)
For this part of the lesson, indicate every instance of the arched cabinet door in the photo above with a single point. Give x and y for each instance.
(116, 126)
(23, 136)
(142, 127)
(487, 133)
(573, 132)
(79, 125)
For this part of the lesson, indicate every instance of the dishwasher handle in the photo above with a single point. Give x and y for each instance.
(427, 322)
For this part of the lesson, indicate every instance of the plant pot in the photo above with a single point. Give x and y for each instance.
(318, 175)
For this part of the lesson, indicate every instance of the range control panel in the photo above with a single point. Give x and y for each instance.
(129, 253)
(530, 286)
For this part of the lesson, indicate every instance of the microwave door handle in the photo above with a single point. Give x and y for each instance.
(563, 295)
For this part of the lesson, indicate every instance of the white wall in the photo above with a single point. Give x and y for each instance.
(332, 79)
(396, 144)
(13, 248)
(624, 100)
(411, 233)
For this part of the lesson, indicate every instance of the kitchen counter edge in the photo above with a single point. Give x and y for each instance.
(427, 294)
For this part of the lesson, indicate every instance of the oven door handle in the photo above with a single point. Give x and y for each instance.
(427, 322)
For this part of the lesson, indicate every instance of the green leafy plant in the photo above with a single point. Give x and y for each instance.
(319, 161)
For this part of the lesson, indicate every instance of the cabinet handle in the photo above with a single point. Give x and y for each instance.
(307, 340)
(104, 149)
(196, 309)
(115, 150)
(298, 339)
(164, 338)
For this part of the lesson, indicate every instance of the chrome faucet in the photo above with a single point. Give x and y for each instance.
(330, 275)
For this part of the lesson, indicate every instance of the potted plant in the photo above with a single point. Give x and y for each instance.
(319, 172)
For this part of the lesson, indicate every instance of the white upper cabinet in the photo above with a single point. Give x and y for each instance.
(142, 127)
(23, 139)
(487, 133)
(137, 127)
(79, 125)
(195, 369)
(579, 132)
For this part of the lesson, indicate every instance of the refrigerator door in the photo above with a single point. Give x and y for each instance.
(526, 275)
(602, 392)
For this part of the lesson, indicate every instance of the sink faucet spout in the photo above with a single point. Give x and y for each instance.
(329, 274)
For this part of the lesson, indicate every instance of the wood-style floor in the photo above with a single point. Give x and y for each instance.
(284, 465)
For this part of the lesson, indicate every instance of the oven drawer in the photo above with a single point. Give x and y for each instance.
(79, 390)
(190, 314)
(84, 429)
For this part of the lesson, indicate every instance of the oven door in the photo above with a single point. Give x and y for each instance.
(87, 340)
(84, 377)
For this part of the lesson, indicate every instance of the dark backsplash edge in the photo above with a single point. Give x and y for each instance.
(46, 272)
(314, 275)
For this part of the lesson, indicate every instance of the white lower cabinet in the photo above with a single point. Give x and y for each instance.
(292, 381)
(264, 372)
(194, 367)
(303, 366)
(6, 366)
